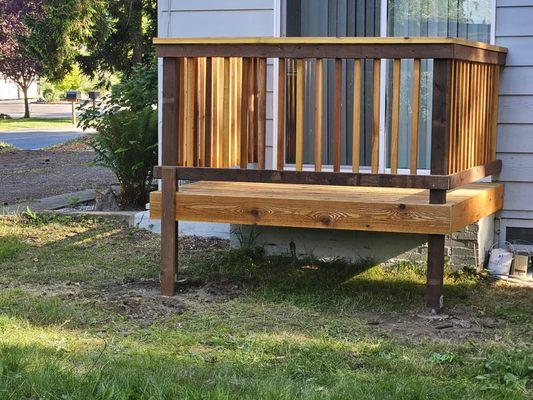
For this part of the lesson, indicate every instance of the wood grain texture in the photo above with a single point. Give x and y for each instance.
(415, 117)
(397, 65)
(226, 114)
(356, 138)
(440, 124)
(171, 111)
(182, 111)
(261, 110)
(319, 112)
(395, 41)
(315, 178)
(191, 119)
(169, 232)
(300, 105)
(331, 207)
(376, 113)
(208, 111)
(282, 86)
(337, 115)
(244, 114)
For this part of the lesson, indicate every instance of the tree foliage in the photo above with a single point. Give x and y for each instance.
(42, 38)
(17, 63)
(120, 37)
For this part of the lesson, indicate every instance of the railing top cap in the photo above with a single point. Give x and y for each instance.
(327, 40)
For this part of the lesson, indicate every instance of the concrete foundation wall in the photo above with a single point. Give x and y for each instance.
(465, 248)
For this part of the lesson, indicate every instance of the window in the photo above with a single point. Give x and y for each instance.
(468, 19)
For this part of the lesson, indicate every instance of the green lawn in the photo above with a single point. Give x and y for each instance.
(81, 318)
(34, 123)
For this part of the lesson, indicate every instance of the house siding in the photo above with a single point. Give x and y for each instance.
(515, 123)
(216, 18)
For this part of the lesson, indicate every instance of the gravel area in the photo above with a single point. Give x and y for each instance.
(31, 175)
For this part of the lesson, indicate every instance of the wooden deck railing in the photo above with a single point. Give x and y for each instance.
(215, 107)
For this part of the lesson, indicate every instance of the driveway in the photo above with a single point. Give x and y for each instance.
(38, 139)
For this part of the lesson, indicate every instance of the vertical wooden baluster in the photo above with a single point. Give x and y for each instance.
(469, 115)
(200, 100)
(226, 114)
(319, 112)
(494, 127)
(356, 139)
(397, 67)
(415, 116)
(337, 116)
(232, 110)
(376, 110)
(300, 102)
(488, 119)
(282, 73)
(191, 112)
(215, 148)
(261, 111)
(183, 111)
(453, 117)
(256, 109)
(245, 112)
(239, 110)
(475, 111)
(480, 117)
(251, 109)
(464, 115)
(483, 138)
(208, 111)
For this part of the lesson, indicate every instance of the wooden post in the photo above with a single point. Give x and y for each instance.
(74, 120)
(440, 136)
(169, 225)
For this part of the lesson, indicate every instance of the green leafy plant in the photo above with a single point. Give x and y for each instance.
(126, 139)
(126, 143)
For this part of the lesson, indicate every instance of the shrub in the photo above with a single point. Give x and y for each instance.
(126, 143)
(126, 139)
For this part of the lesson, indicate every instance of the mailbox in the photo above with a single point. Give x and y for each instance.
(94, 95)
(73, 95)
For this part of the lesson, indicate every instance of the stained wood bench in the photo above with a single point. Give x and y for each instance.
(214, 110)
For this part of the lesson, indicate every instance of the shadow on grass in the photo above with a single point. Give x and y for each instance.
(77, 249)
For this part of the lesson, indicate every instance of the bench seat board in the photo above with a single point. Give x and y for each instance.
(333, 207)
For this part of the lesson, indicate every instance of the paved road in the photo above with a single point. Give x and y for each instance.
(38, 139)
(15, 109)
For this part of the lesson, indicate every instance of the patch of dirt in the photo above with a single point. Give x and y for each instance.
(457, 325)
(141, 300)
(35, 174)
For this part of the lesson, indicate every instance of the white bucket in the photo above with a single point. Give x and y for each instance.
(500, 261)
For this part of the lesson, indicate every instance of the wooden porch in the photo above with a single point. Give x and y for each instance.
(215, 133)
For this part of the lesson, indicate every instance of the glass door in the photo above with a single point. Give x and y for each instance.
(467, 19)
(331, 18)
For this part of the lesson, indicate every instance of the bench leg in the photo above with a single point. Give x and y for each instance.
(435, 273)
(169, 232)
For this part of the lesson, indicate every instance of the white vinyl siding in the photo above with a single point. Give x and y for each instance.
(514, 30)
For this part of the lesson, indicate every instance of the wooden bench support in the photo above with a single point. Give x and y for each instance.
(169, 233)
(435, 265)
(435, 273)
